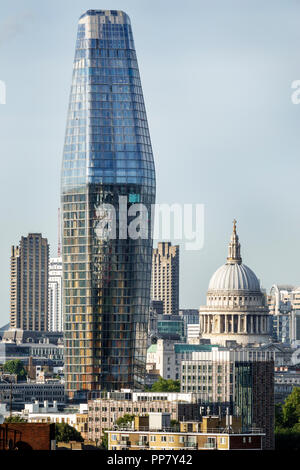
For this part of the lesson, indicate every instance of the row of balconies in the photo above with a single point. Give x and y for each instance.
(145, 444)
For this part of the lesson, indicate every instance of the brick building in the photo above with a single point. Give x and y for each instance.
(103, 412)
(27, 436)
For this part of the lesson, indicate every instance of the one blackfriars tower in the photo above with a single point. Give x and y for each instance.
(107, 159)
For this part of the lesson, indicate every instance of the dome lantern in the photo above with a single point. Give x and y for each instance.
(234, 248)
(234, 275)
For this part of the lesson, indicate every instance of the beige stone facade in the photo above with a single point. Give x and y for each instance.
(29, 284)
(165, 276)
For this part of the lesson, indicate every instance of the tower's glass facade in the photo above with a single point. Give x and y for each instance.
(107, 154)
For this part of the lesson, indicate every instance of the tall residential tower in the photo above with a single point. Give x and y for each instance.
(29, 284)
(107, 154)
(165, 277)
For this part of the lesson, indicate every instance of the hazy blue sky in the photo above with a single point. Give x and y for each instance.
(216, 77)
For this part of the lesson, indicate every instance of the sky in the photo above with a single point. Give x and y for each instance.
(216, 78)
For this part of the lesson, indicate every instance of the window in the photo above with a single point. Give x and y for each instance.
(152, 438)
(163, 438)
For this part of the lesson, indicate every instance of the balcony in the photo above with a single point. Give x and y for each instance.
(232, 431)
(143, 444)
(210, 445)
(125, 444)
(190, 445)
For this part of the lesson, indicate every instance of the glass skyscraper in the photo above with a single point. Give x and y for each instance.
(107, 154)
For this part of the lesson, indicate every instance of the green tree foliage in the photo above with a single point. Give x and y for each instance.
(166, 385)
(125, 419)
(175, 424)
(65, 433)
(15, 366)
(104, 441)
(291, 409)
(278, 415)
(287, 422)
(15, 419)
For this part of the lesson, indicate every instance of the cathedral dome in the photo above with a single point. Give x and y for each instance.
(235, 307)
(231, 277)
(234, 275)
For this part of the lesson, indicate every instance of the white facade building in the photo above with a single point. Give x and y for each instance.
(35, 413)
(4, 413)
(166, 356)
(55, 295)
(284, 306)
(162, 355)
(193, 333)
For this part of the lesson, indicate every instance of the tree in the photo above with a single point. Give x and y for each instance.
(65, 433)
(296, 428)
(291, 409)
(125, 419)
(166, 385)
(287, 422)
(15, 366)
(104, 441)
(278, 415)
(175, 424)
(15, 419)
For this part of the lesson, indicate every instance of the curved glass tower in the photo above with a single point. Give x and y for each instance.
(107, 154)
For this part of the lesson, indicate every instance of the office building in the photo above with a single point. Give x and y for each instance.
(19, 336)
(193, 333)
(163, 326)
(191, 325)
(190, 315)
(284, 307)
(171, 327)
(107, 173)
(295, 328)
(106, 409)
(165, 277)
(29, 283)
(17, 394)
(166, 356)
(242, 378)
(285, 379)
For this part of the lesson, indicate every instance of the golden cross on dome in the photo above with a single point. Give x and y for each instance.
(234, 225)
